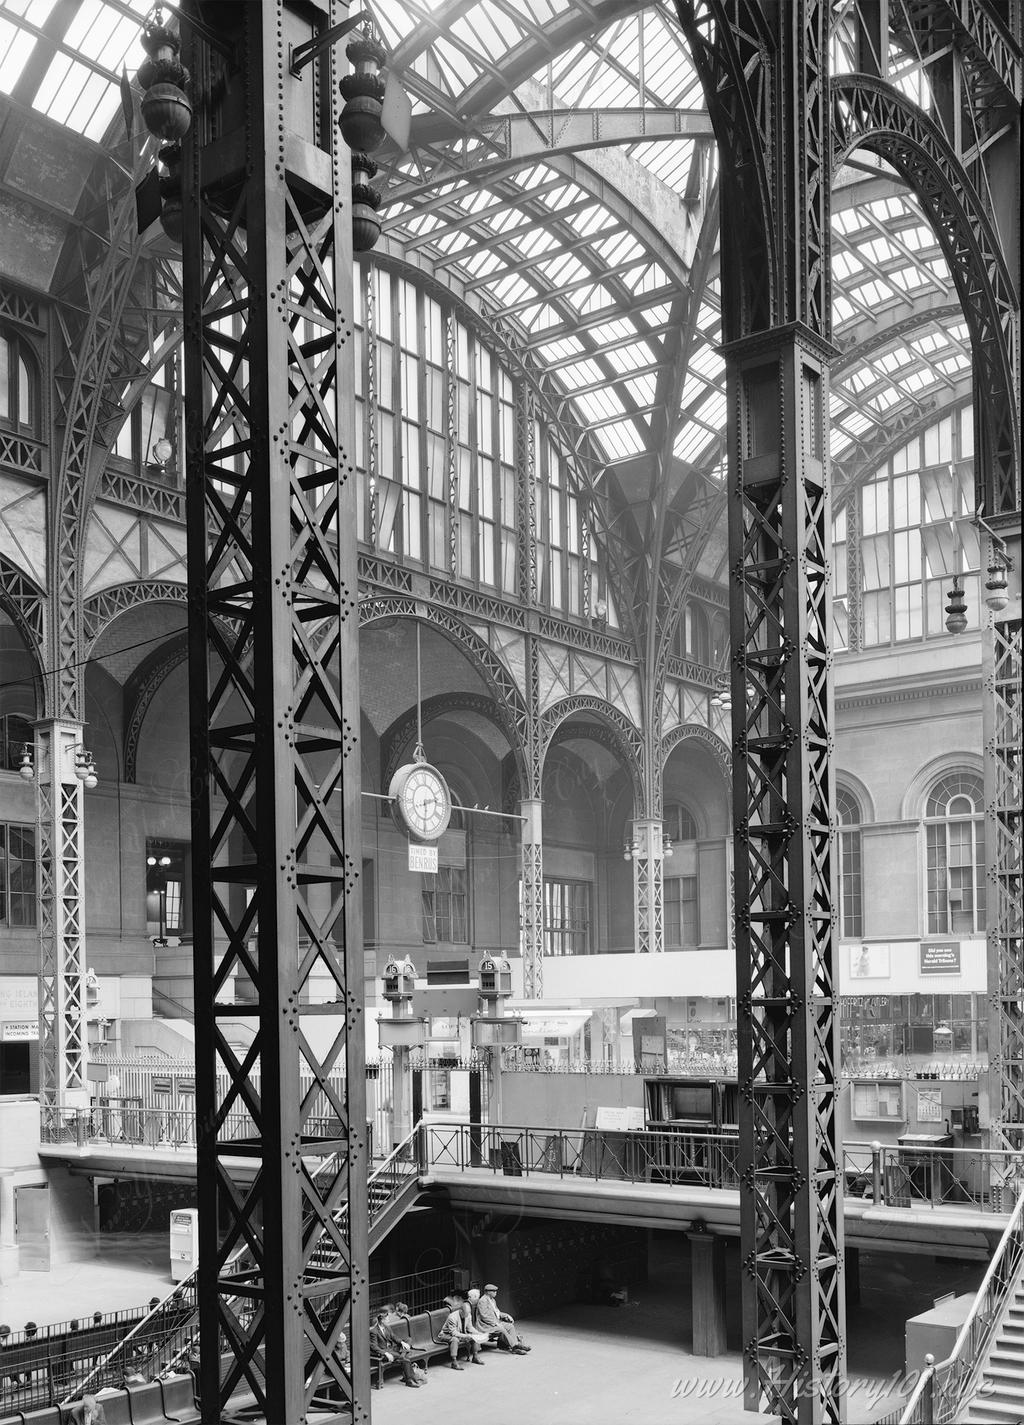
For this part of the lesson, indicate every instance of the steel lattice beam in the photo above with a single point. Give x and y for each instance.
(275, 713)
(766, 77)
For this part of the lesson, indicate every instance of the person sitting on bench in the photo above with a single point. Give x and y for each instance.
(498, 1324)
(454, 1332)
(385, 1347)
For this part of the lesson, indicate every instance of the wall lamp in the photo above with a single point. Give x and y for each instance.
(85, 765)
(722, 696)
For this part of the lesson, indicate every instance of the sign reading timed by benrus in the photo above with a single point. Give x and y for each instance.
(941, 959)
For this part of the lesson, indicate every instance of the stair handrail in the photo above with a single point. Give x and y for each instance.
(408, 1154)
(944, 1385)
(180, 1293)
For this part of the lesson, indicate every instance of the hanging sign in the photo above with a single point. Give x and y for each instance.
(422, 858)
(940, 959)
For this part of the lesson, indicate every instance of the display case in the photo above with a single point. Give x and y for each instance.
(873, 1100)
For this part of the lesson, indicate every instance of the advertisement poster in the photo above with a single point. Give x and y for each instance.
(869, 962)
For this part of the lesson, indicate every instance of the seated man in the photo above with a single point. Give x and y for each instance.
(498, 1324)
(88, 1411)
(385, 1346)
(454, 1332)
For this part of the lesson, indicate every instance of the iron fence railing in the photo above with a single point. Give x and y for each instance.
(41, 1367)
(126, 1122)
(944, 1389)
(896, 1176)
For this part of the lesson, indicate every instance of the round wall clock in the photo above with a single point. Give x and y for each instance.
(421, 800)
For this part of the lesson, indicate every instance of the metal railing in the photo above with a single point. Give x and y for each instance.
(126, 1122)
(944, 1388)
(893, 1176)
(38, 1366)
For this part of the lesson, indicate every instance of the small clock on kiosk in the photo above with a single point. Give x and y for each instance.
(421, 801)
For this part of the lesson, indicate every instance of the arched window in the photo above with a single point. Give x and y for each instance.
(955, 849)
(696, 637)
(851, 913)
(680, 823)
(19, 385)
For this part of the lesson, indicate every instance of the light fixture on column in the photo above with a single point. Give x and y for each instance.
(956, 609)
(85, 766)
(162, 451)
(26, 768)
(721, 698)
(631, 846)
(997, 593)
(666, 846)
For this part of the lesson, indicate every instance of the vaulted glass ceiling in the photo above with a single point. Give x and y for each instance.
(562, 180)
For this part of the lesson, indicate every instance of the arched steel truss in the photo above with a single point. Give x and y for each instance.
(869, 113)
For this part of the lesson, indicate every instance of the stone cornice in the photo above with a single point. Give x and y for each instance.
(883, 695)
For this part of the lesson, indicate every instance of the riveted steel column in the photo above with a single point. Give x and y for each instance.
(274, 696)
(60, 854)
(780, 604)
(648, 887)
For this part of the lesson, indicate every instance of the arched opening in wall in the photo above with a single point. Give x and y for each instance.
(20, 704)
(700, 1025)
(588, 805)
(138, 817)
(443, 900)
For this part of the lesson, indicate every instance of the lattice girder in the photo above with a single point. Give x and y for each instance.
(274, 702)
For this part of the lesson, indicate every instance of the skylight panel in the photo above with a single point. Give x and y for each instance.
(691, 440)
(619, 441)
(600, 405)
(556, 350)
(15, 47)
(643, 389)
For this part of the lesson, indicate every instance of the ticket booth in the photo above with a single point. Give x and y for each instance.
(184, 1242)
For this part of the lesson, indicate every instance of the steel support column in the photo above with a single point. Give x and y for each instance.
(531, 929)
(648, 887)
(274, 694)
(780, 602)
(1003, 855)
(60, 826)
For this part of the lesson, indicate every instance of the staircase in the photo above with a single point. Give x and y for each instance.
(1000, 1396)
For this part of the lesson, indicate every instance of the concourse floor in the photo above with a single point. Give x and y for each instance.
(124, 1270)
(589, 1364)
(595, 1364)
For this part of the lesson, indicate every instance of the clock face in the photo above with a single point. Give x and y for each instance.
(422, 800)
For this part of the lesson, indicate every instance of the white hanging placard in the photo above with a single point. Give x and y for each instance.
(422, 858)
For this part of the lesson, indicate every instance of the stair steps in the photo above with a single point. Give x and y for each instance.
(1000, 1397)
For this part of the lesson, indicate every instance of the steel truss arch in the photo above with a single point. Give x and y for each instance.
(140, 689)
(508, 699)
(25, 601)
(395, 740)
(101, 609)
(869, 113)
(731, 48)
(705, 737)
(627, 741)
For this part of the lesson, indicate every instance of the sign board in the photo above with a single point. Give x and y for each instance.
(618, 1120)
(422, 858)
(444, 1028)
(18, 1031)
(929, 1106)
(941, 959)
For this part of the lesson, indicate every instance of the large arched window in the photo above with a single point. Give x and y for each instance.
(955, 851)
(851, 908)
(437, 443)
(897, 546)
(19, 385)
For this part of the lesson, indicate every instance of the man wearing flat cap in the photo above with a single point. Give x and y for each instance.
(498, 1324)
